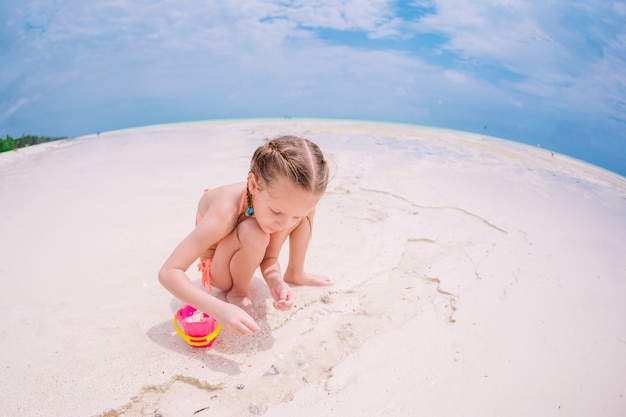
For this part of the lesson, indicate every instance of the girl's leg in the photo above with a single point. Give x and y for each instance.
(299, 239)
(236, 258)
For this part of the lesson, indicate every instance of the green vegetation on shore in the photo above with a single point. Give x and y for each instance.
(9, 144)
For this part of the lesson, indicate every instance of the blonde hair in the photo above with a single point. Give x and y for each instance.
(296, 159)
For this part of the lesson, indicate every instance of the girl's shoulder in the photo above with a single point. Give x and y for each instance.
(221, 201)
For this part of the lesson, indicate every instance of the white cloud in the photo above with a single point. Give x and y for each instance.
(455, 76)
(489, 30)
(401, 91)
(19, 103)
(362, 15)
(571, 53)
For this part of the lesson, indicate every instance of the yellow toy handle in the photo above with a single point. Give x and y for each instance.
(196, 340)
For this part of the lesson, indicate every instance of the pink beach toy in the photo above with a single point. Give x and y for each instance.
(198, 329)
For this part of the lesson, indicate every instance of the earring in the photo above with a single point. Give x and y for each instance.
(249, 212)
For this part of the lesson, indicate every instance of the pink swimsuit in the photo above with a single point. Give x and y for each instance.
(204, 265)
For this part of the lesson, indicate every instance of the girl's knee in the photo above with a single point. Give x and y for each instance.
(251, 236)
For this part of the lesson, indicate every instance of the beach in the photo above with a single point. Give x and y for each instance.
(473, 276)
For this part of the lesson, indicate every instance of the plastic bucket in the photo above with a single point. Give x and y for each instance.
(199, 334)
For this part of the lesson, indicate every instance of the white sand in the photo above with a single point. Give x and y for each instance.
(474, 277)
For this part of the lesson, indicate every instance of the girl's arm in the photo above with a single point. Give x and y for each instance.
(173, 277)
(270, 269)
(299, 239)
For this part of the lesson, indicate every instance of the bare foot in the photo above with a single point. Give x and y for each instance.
(244, 302)
(313, 280)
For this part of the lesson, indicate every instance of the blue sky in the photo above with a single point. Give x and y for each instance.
(548, 72)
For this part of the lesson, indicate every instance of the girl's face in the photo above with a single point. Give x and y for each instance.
(280, 206)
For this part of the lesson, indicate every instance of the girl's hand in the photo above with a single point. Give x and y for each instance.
(283, 296)
(235, 320)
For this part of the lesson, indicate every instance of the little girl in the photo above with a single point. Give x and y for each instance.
(242, 226)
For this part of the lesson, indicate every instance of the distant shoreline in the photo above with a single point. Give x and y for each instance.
(9, 143)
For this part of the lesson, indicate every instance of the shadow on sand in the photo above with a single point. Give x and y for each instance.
(217, 356)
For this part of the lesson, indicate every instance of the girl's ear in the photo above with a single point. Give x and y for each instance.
(253, 183)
